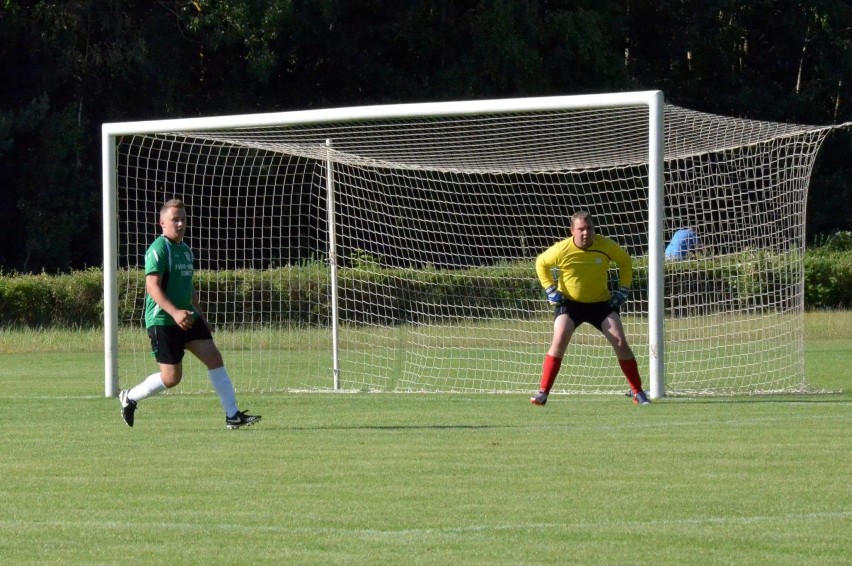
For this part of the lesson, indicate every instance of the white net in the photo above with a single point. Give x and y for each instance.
(438, 224)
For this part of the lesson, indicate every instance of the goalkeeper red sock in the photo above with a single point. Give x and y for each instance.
(549, 371)
(631, 371)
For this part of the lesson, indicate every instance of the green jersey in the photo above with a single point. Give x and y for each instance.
(173, 263)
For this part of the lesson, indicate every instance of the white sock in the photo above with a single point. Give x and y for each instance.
(152, 385)
(225, 389)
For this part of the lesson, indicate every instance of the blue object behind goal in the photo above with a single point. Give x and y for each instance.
(683, 242)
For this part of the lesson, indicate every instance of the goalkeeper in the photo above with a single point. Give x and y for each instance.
(581, 294)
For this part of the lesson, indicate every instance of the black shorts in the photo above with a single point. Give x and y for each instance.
(593, 313)
(168, 343)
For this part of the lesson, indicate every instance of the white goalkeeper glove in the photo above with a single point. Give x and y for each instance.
(619, 297)
(553, 295)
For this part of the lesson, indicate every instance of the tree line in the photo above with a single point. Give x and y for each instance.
(68, 66)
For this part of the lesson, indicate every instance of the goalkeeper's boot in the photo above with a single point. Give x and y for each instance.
(539, 399)
(240, 420)
(640, 398)
(128, 407)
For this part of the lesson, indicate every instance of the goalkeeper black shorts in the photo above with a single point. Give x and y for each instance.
(593, 313)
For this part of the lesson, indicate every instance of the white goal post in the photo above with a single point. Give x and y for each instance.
(391, 248)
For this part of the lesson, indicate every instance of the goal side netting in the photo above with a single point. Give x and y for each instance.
(396, 253)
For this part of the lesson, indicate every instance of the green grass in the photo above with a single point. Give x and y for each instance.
(421, 479)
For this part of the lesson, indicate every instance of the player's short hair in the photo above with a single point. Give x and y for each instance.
(582, 215)
(172, 203)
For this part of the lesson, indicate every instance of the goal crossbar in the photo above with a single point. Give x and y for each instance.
(384, 111)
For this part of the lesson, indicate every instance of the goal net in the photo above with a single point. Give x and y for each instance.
(392, 248)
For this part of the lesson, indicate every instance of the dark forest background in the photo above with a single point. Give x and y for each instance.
(67, 67)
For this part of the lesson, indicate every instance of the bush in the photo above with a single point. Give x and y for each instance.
(298, 295)
(828, 280)
(828, 272)
(840, 241)
(41, 301)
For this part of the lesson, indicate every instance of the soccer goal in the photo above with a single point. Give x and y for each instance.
(392, 248)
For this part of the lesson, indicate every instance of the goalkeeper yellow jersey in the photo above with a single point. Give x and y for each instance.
(582, 274)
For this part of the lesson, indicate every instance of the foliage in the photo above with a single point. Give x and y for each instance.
(70, 66)
(828, 279)
(299, 295)
(837, 242)
(828, 272)
(65, 301)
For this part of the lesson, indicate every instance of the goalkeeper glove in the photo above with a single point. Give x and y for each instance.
(553, 295)
(619, 297)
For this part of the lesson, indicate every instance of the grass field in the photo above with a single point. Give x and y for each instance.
(421, 479)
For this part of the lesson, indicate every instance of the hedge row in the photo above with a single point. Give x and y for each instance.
(299, 295)
(828, 280)
(38, 301)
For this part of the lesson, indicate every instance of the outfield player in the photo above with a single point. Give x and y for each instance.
(176, 323)
(581, 294)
